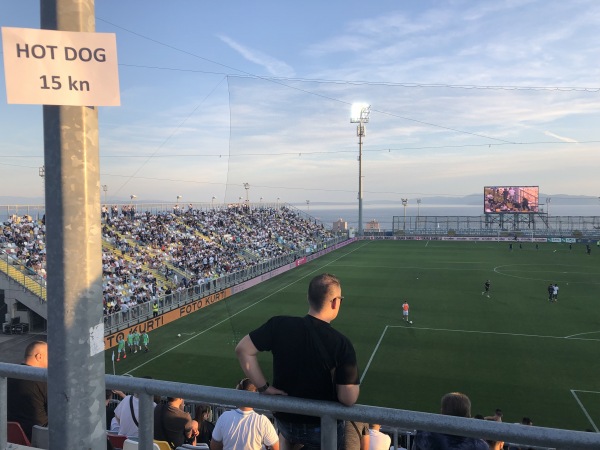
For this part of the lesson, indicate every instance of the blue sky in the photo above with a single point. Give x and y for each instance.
(217, 94)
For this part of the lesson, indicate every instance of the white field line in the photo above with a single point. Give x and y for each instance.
(233, 315)
(497, 333)
(464, 331)
(573, 391)
(373, 354)
(580, 334)
(498, 270)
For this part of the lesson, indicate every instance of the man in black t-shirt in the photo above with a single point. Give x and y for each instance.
(310, 360)
(27, 401)
(173, 424)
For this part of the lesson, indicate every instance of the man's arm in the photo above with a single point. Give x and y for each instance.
(347, 393)
(247, 356)
(365, 441)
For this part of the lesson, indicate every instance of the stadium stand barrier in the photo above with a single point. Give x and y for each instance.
(22, 275)
(329, 412)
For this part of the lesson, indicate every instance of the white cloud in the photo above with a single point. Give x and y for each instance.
(560, 138)
(274, 66)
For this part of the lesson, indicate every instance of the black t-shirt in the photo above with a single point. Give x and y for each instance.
(171, 424)
(205, 429)
(27, 403)
(298, 364)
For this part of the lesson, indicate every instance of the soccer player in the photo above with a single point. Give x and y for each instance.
(145, 341)
(130, 341)
(486, 288)
(121, 348)
(555, 292)
(136, 342)
(405, 309)
(550, 292)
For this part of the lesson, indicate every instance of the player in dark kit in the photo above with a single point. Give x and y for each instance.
(486, 288)
(550, 292)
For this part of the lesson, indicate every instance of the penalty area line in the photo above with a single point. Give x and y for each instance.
(573, 391)
(373, 354)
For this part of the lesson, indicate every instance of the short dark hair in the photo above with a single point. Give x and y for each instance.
(318, 289)
(31, 349)
(246, 385)
(456, 404)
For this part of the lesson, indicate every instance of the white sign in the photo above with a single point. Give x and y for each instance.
(60, 67)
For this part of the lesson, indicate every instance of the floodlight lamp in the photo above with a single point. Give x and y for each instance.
(359, 113)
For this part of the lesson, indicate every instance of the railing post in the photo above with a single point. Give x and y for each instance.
(328, 432)
(146, 420)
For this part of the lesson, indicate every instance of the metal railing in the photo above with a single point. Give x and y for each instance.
(329, 412)
(23, 275)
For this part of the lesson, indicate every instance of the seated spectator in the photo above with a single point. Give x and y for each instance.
(173, 424)
(127, 413)
(27, 401)
(205, 426)
(496, 417)
(453, 404)
(524, 421)
(109, 410)
(377, 439)
(495, 445)
(244, 428)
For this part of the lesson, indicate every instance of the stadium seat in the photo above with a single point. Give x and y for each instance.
(162, 445)
(40, 437)
(193, 447)
(16, 435)
(130, 444)
(116, 440)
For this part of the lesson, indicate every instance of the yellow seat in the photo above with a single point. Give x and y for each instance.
(162, 445)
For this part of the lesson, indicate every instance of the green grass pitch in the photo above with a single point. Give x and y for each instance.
(514, 351)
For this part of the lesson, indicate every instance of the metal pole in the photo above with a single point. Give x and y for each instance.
(360, 191)
(328, 432)
(75, 325)
(146, 413)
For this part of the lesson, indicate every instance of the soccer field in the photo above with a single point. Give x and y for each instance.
(514, 350)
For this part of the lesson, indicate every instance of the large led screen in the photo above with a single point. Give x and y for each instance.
(510, 199)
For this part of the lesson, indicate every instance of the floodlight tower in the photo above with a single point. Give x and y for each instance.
(42, 174)
(105, 189)
(404, 203)
(418, 210)
(247, 187)
(360, 114)
(213, 201)
(308, 205)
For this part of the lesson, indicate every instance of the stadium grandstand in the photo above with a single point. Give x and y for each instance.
(152, 256)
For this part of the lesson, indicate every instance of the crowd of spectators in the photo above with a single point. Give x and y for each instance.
(146, 255)
(24, 238)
